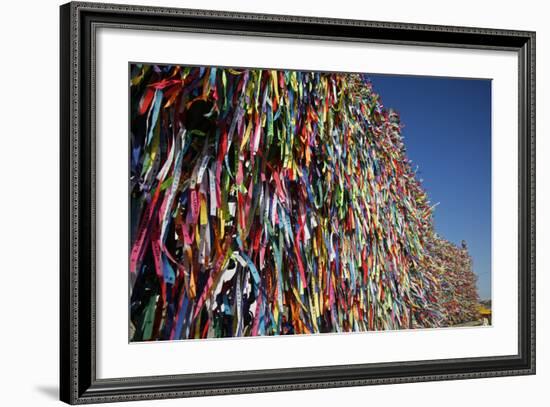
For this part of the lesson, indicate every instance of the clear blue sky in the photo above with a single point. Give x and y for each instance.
(448, 136)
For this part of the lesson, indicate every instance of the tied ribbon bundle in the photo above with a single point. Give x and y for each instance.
(268, 202)
(458, 294)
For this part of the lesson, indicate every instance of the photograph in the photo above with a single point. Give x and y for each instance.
(266, 202)
(257, 201)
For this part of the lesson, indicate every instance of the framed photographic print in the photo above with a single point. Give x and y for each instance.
(258, 203)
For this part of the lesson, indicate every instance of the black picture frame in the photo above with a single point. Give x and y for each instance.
(78, 382)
